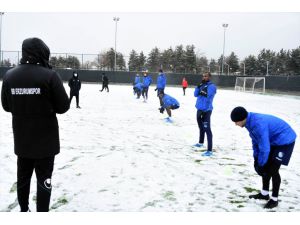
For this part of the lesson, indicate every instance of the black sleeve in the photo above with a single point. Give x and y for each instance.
(59, 95)
(4, 96)
(79, 84)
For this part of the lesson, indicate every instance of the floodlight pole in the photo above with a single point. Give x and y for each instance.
(116, 19)
(225, 25)
(244, 67)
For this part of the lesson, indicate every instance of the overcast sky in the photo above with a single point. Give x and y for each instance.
(91, 32)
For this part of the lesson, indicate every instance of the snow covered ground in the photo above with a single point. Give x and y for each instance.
(118, 154)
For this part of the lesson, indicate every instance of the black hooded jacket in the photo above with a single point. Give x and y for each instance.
(34, 93)
(74, 84)
(105, 80)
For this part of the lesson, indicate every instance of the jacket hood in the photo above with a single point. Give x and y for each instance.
(35, 51)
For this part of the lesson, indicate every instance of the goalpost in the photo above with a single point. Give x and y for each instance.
(250, 84)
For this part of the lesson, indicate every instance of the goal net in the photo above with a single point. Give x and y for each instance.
(250, 84)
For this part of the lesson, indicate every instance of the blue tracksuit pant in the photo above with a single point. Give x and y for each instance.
(203, 119)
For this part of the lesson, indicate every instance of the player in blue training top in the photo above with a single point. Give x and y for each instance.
(161, 82)
(147, 80)
(205, 93)
(137, 79)
(167, 103)
(137, 88)
(273, 142)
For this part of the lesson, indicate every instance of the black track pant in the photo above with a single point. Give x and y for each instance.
(159, 90)
(105, 86)
(183, 90)
(203, 119)
(279, 154)
(145, 92)
(272, 172)
(43, 170)
(77, 99)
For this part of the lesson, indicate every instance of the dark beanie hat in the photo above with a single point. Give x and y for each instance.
(238, 114)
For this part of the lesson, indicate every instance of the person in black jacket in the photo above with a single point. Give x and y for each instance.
(104, 82)
(33, 93)
(75, 85)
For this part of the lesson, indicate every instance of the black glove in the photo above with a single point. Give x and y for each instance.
(161, 110)
(155, 89)
(203, 92)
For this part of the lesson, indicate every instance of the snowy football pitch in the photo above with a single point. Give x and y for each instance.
(118, 154)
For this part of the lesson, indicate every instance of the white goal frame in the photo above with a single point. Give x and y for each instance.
(250, 84)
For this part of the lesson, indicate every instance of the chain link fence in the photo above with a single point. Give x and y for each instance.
(60, 60)
(89, 62)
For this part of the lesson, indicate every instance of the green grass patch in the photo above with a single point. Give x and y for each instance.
(249, 189)
(228, 158)
(13, 188)
(63, 200)
(12, 206)
(236, 202)
(151, 204)
(60, 202)
(169, 195)
(198, 161)
(233, 192)
(75, 158)
(64, 167)
(231, 164)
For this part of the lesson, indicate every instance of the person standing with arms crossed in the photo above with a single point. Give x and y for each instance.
(205, 93)
(33, 93)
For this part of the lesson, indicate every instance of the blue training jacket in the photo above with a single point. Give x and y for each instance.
(265, 131)
(161, 81)
(139, 86)
(169, 101)
(205, 103)
(147, 81)
(137, 80)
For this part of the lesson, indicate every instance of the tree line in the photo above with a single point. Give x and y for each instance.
(184, 59)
